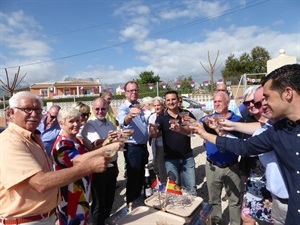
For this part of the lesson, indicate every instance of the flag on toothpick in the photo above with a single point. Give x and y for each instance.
(173, 188)
(157, 184)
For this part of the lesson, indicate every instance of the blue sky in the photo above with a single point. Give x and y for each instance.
(116, 40)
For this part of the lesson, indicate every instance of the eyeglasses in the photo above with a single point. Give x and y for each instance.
(247, 103)
(258, 104)
(102, 109)
(132, 91)
(85, 115)
(29, 110)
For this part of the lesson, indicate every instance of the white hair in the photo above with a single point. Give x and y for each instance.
(15, 99)
(159, 99)
(147, 100)
(249, 91)
(67, 113)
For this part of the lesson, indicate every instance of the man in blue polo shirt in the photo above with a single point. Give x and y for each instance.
(222, 169)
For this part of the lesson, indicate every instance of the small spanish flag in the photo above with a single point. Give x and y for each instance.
(173, 188)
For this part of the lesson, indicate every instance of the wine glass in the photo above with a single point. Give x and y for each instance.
(109, 154)
(128, 133)
(137, 106)
(191, 123)
(207, 110)
(185, 116)
(153, 128)
(173, 123)
(122, 137)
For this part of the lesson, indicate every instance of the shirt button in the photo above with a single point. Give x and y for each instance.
(298, 192)
(298, 210)
(297, 153)
(298, 172)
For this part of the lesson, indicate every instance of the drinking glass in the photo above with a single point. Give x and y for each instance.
(185, 117)
(207, 111)
(191, 123)
(123, 137)
(109, 154)
(137, 105)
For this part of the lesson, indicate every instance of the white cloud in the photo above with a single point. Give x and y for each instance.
(165, 56)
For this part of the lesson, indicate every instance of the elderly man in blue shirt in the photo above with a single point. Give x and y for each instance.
(281, 90)
(130, 116)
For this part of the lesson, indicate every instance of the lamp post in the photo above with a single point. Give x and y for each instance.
(151, 85)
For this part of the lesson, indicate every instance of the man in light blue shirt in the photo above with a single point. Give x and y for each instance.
(130, 116)
(49, 128)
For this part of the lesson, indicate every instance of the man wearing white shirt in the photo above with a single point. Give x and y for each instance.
(97, 132)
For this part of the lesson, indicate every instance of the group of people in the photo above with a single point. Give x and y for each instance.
(65, 162)
(276, 142)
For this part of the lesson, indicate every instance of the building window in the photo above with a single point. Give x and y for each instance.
(44, 93)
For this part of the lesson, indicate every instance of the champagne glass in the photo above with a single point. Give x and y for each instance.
(109, 154)
(153, 128)
(191, 123)
(185, 116)
(207, 110)
(137, 106)
(128, 133)
(173, 123)
(122, 137)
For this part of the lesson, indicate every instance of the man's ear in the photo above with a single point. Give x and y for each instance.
(288, 93)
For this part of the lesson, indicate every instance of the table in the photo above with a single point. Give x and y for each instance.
(199, 217)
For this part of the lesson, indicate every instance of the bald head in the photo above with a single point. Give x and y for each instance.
(221, 102)
(222, 87)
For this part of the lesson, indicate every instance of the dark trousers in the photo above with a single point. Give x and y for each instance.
(103, 194)
(136, 157)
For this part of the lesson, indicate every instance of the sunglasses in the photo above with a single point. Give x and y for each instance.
(52, 117)
(85, 115)
(258, 104)
(247, 103)
(102, 109)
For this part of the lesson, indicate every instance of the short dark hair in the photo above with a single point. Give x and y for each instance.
(130, 82)
(172, 92)
(285, 76)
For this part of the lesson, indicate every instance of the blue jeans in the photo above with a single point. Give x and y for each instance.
(182, 167)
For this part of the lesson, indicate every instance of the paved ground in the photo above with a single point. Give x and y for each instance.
(200, 159)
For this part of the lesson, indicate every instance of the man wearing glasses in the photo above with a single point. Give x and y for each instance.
(49, 128)
(130, 116)
(97, 132)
